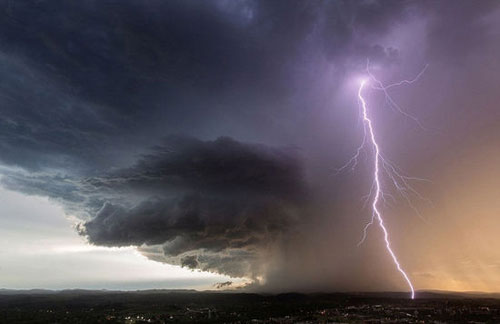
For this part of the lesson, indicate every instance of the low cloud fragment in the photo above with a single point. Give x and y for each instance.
(221, 285)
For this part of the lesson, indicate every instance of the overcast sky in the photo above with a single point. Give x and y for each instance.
(179, 144)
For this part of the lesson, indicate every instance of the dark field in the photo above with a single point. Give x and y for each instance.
(217, 307)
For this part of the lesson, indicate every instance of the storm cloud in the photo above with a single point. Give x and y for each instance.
(194, 197)
(213, 205)
(109, 80)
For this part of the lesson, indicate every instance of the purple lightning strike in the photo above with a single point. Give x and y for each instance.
(400, 181)
(378, 192)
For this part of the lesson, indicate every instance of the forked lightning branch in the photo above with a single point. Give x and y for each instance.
(382, 166)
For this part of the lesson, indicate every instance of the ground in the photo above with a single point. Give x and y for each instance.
(229, 307)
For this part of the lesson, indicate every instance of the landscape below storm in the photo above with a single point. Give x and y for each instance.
(241, 150)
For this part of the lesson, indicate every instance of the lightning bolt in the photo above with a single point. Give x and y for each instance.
(378, 192)
(400, 181)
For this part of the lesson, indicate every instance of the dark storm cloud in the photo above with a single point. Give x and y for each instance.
(79, 78)
(348, 29)
(89, 86)
(221, 285)
(220, 166)
(84, 81)
(212, 205)
(189, 261)
(451, 41)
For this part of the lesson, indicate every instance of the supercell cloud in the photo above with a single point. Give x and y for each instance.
(210, 205)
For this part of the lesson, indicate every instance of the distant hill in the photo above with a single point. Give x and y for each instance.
(426, 294)
(450, 294)
(4, 291)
